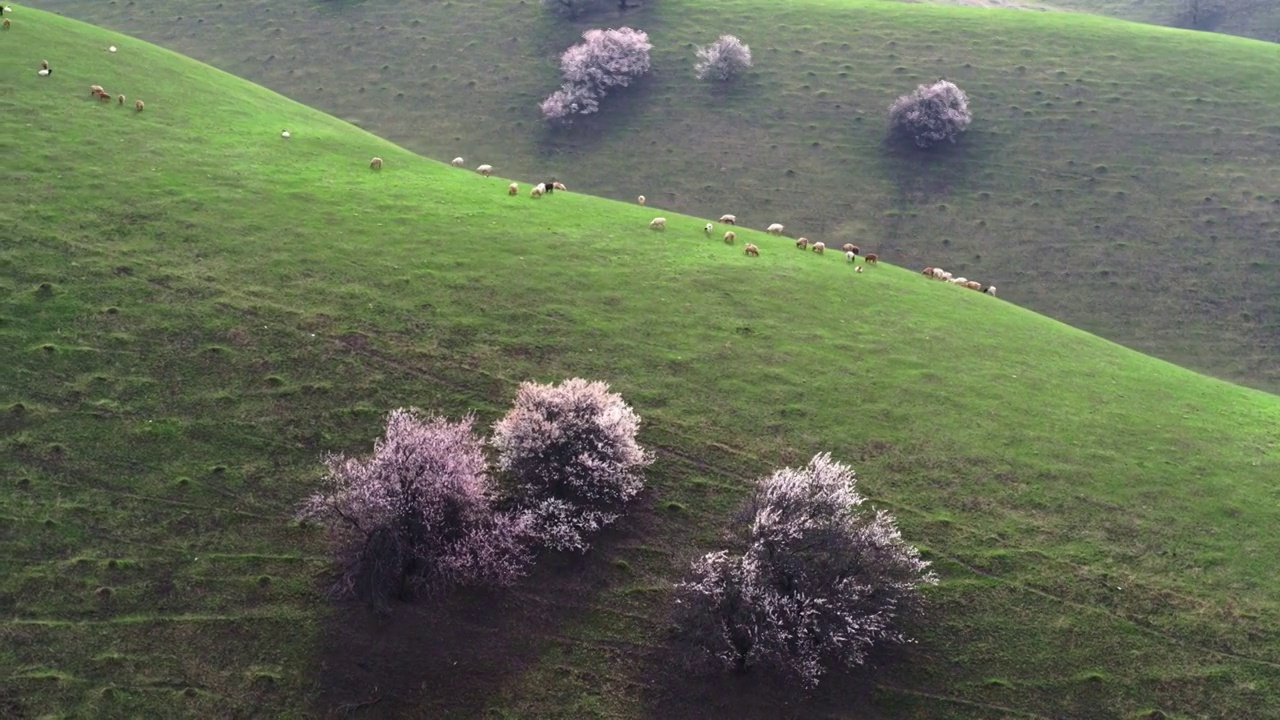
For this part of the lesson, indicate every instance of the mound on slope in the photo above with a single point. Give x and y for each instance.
(194, 308)
(1117, 177)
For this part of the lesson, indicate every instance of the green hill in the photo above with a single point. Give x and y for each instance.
(1117, 177)
(192, 309)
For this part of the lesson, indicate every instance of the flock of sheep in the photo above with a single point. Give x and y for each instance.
(851, 251)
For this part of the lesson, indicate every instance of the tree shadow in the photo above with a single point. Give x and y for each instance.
(448, 657)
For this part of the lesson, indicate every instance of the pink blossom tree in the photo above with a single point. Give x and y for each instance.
(723, 59)
(820, 583)
(931, 115)
(417, 515)
(606, 59)
(572, 454)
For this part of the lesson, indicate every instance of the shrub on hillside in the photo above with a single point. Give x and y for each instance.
(820, 582)
(571, 451)
(417, 515)
(573, 8)
(931, 115)
(606, 59)
(723, 59)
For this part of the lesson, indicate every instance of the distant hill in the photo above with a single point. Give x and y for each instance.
(1117, 177)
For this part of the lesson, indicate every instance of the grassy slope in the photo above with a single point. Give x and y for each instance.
(224, 305)
(1118, 177)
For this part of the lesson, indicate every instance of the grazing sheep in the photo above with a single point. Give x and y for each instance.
(111, 49)
(558, 185)
(938, 273)
(549, 186)
(850, 256)
(485, 170)
(137, 105)
(6, 23)
(44, 64)
(730, 236)
(802, 243)
(751, 250)
(991, 290)
(513, 188)
(958, 281)
(819, 246)
(706, 229)
(851, 248)
(538, 190)
(872, 258)
(94, 89)
(857, 268)
(729, 219)
(283, 133)
(640, 199)
(104, 97)
(458, 162)
(42, 72)
(376, 163)
(944, 276)
(120, 99)
(974, 285)
(658, 223)
(775, 228)
(928, 272)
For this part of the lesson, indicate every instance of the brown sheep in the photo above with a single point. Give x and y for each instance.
(105, 97)
(974, 285)
(44, 64)
(751, 250)
(557, 185)
(513, 188)
(6, 25)
(137, 105)
(376, 163)
(850, 247)
(120, 98)
(802, 243)
(730, 236)
(872, 259)
(819, 246)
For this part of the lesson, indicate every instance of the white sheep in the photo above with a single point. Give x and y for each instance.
(991, 290)
(485, 170)
(775, 228)
(729, 219)
(285, 134)
(857, 268)
(111, 49)
(945, 275)
(937, 273)
(375, 164)
(42, 72)
(458, 162)
(730, 236)
(557, 185)
(706, 229)
(819, 246)
(958, 281)
(850, 256)
(658, 223)
(640, 199)
(538, 190)
(513, 188)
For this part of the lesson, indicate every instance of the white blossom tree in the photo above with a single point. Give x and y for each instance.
(572, 453)
(820, 582)
(606, 59)
(417, 515)
(932, 114)
(723, 59)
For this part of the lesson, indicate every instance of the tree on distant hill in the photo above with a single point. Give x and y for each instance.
(606, 59)
(820, 581)
(930, 115)
(723, 59)
(571, 450)
(417, 516)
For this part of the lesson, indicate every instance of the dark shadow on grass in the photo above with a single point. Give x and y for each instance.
(450, 657)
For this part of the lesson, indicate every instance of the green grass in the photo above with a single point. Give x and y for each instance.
(1117, 177)
(193, 309)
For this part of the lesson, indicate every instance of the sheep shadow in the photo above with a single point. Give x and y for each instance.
(449, 657)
